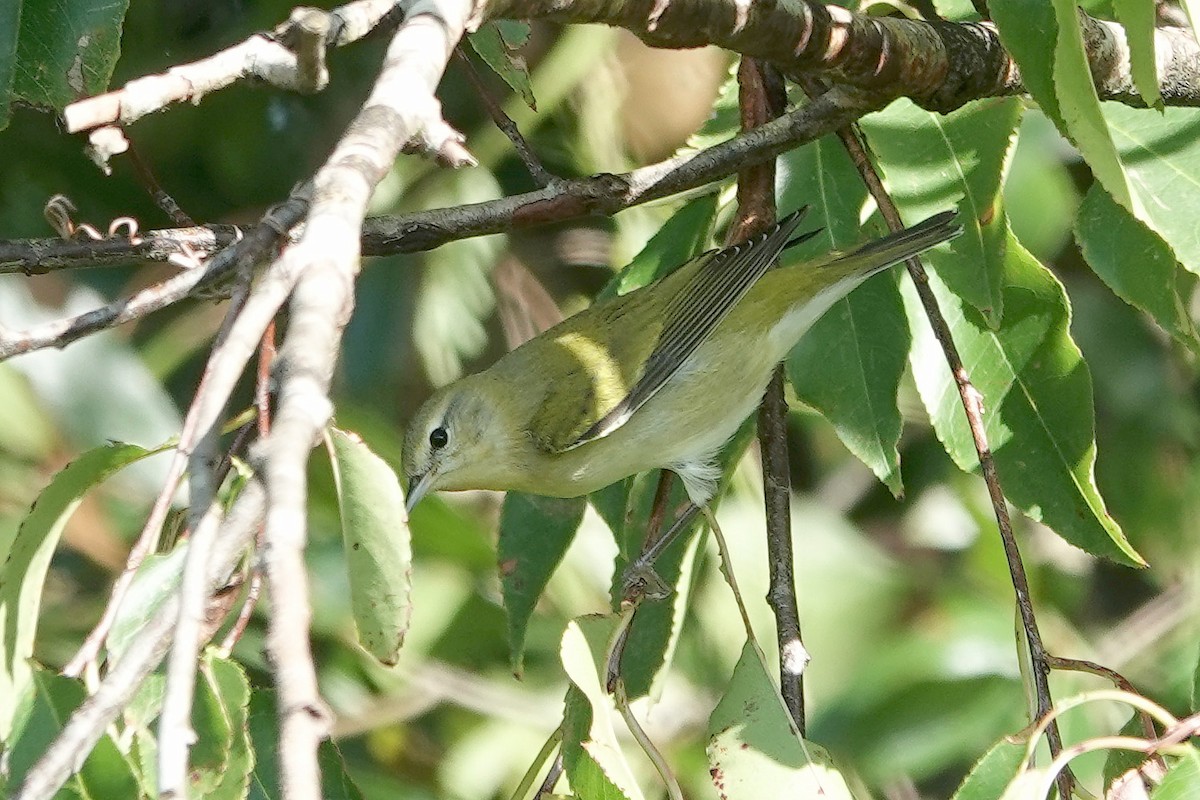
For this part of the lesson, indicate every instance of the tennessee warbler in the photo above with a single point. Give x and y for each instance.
(659, 377)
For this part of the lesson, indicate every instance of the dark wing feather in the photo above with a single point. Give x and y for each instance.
(720, 281)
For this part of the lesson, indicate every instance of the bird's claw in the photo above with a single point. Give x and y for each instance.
(641, 581)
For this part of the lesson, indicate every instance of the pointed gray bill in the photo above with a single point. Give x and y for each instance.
(418, 487)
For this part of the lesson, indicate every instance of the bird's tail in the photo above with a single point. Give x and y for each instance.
(880, 254)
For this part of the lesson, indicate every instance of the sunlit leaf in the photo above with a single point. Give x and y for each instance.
(156, 579)
(1137, 16)
(754, 750)
(933, 162)
(1181, 779)
(1037, 398)
(592, 756)
(378, 544)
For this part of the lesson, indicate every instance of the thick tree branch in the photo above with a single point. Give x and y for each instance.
(940, 64)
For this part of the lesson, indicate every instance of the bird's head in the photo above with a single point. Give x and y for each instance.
(458, 440)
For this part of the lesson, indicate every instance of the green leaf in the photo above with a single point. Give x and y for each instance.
(1119, 761)
(1138, 18)
(754, 750)
(680, 238)
(1181, 779)
(51, 699)
(66, 50)
(378, 544)
(849, 364)
(155, 580)
(27, 557)
(937, 161)
(229, 682)
(592, 757)
(1135, 263)
(1028, 31)
(1161, 155)
(499, 43)
(1037, 398)
(993, 771)
(535, 533)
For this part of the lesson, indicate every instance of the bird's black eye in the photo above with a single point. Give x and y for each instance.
(438, 438)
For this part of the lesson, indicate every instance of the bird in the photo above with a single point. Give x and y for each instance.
(660, 377)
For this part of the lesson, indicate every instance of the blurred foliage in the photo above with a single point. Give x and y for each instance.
(1067, 293)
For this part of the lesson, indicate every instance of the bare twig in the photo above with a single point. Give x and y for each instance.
(505, 123)
(249, 249)
(761, 98)
(88, 723)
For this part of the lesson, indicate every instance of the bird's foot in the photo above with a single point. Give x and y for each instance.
(641, 581)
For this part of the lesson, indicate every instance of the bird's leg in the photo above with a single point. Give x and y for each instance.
(640, 579)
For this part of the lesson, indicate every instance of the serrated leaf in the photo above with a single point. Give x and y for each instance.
(995, 770)
(1137, 16)
(378, 544)
(229, 682)
(849, 364)
(535, 533)
(592, 756)
(66, 50)
(1161, 155)
(26, 554)
(1037, 397)
(1028, 31)
(499, 43)
(680, 238)
(1135, 263)
(52, 698)
(933, 162)
(754, 750)
(1145, 159)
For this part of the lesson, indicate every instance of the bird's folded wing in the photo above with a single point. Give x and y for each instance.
(710, 288)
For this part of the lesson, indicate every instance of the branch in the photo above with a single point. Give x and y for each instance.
(563, 199)
(401, 108)
(761, 99)
(291, 57)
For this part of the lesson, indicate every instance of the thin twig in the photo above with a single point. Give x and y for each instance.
(972, 402)
(1109, 674)
(761, 98)
(161, 198)
(505, 123)
(251, 248)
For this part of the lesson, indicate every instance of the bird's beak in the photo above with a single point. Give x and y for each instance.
(418, 487)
